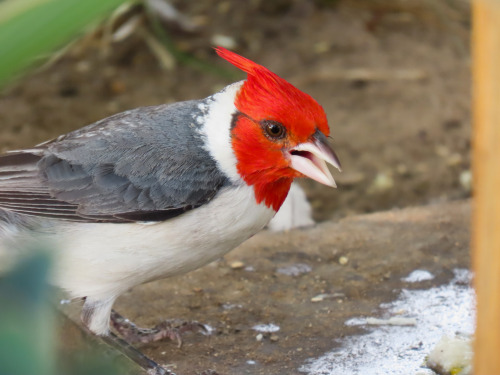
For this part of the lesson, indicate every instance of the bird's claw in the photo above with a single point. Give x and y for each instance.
(168, 329)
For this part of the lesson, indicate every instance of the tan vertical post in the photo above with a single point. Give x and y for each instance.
(486, 172)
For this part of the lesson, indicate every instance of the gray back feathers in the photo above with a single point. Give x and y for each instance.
(146, 164)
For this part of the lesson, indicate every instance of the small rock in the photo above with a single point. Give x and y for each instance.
(343, 260)
(259, 337)
(418, 276)
(323, 296)
(223, 41)
(466, 180)
(266, 328)
(452, 355)
(236, 265)
(318, 298)
(274, 338)
(381, 183)
(295, 269)
(231, 306)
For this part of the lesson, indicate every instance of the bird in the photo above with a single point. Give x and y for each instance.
(159, 191)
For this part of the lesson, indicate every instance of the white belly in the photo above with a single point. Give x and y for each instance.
(101, 260)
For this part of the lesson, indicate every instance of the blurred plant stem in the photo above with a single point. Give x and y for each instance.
(185, 58)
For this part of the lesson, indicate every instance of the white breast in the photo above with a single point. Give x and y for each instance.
(100, 260)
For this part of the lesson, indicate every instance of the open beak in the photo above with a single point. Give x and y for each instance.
(310, 159)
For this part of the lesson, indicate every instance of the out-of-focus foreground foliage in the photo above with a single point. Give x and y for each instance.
(30, 29)
(28, 329)
(26, 325)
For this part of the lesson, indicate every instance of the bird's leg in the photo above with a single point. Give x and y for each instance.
(94, 310)
(170, 329)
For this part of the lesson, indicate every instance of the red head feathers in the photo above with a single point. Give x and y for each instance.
(266, 96)
(279, 133)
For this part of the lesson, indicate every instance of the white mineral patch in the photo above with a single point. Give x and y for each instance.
(323, 296)
(418, 276)
(208, 330)
(401, 350)
(295, 269)
(266, 328)
(231, 306)
(452, 355)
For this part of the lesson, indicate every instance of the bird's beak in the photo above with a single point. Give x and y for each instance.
(310, 159)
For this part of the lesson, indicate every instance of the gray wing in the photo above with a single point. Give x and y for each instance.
(147, 164)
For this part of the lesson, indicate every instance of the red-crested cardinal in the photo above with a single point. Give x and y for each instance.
(159, 191)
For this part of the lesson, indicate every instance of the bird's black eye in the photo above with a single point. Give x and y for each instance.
(273, 129)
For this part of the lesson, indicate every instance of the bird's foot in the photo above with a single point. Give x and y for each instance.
(168, 329)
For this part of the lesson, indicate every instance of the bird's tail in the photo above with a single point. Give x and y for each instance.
(8, 233)
(17, 166)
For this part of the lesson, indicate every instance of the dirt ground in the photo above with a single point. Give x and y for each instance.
(393, 77)
(307, 282)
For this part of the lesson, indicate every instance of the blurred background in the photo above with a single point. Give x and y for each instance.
(392, 75)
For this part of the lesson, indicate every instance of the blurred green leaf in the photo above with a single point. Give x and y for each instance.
(28, 329)
(30, 28)
(26, 324)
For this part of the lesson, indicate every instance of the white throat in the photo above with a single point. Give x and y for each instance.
(218, 111)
